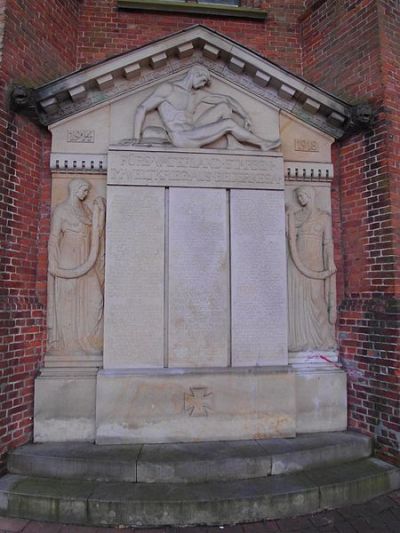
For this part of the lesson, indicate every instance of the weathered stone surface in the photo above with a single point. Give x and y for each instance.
(65, 408)
(315, 451)
(202, 461)
(7, 483)
(217, 502)
(259, 306)
(188, 462)
(134, 307)
(321, 400)
(76, 460)
(301, 142)
(333, 475)
(209, 503)
(83, 134)
(48, 499)
(198, 280)
(355, 482)
(178, 405)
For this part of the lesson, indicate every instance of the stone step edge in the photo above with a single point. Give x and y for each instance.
(110, 504)
(192, 469)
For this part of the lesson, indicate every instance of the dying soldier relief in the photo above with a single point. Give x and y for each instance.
(193, 117)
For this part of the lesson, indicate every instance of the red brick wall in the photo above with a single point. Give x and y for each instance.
(106, 31)
(341, 50)
(389, 11)
(38, 45)
(352, 49)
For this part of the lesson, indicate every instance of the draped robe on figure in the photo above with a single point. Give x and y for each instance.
(309, 325)
(75, 305)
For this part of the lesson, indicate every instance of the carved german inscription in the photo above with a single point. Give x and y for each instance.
(194, 169)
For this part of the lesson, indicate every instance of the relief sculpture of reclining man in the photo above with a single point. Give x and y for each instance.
(177, 104)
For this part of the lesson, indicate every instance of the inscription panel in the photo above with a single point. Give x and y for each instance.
(258, 263)
(306, 145)
(201, 168)
(134, 291)
(198, 278)
(80, 136)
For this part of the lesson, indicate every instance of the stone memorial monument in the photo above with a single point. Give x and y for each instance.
(219, 306)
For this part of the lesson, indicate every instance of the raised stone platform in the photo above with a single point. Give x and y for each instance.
(193, 483)
(197, 404)
(187, 462)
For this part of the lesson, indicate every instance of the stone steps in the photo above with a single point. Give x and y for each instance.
(193, 483)
(218, 502)
(188, 462)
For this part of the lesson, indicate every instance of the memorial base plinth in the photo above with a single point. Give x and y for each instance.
(321, 399)
(65, 405)
(175, 405)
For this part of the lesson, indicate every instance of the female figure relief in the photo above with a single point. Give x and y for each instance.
(311, 276)
(76, 274)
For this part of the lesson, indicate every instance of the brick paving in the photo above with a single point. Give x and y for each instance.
(379, 515)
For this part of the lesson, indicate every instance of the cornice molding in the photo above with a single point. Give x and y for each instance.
(122, 74)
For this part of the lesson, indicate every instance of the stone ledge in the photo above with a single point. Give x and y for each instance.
(218, 10)
(220, 502)
(188, 462)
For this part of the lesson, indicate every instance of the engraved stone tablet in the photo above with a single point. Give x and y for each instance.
(258, 263)
(134, 307)
(198, 278)
(195, 168)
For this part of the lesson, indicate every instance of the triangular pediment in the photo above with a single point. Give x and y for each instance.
(129, 72)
